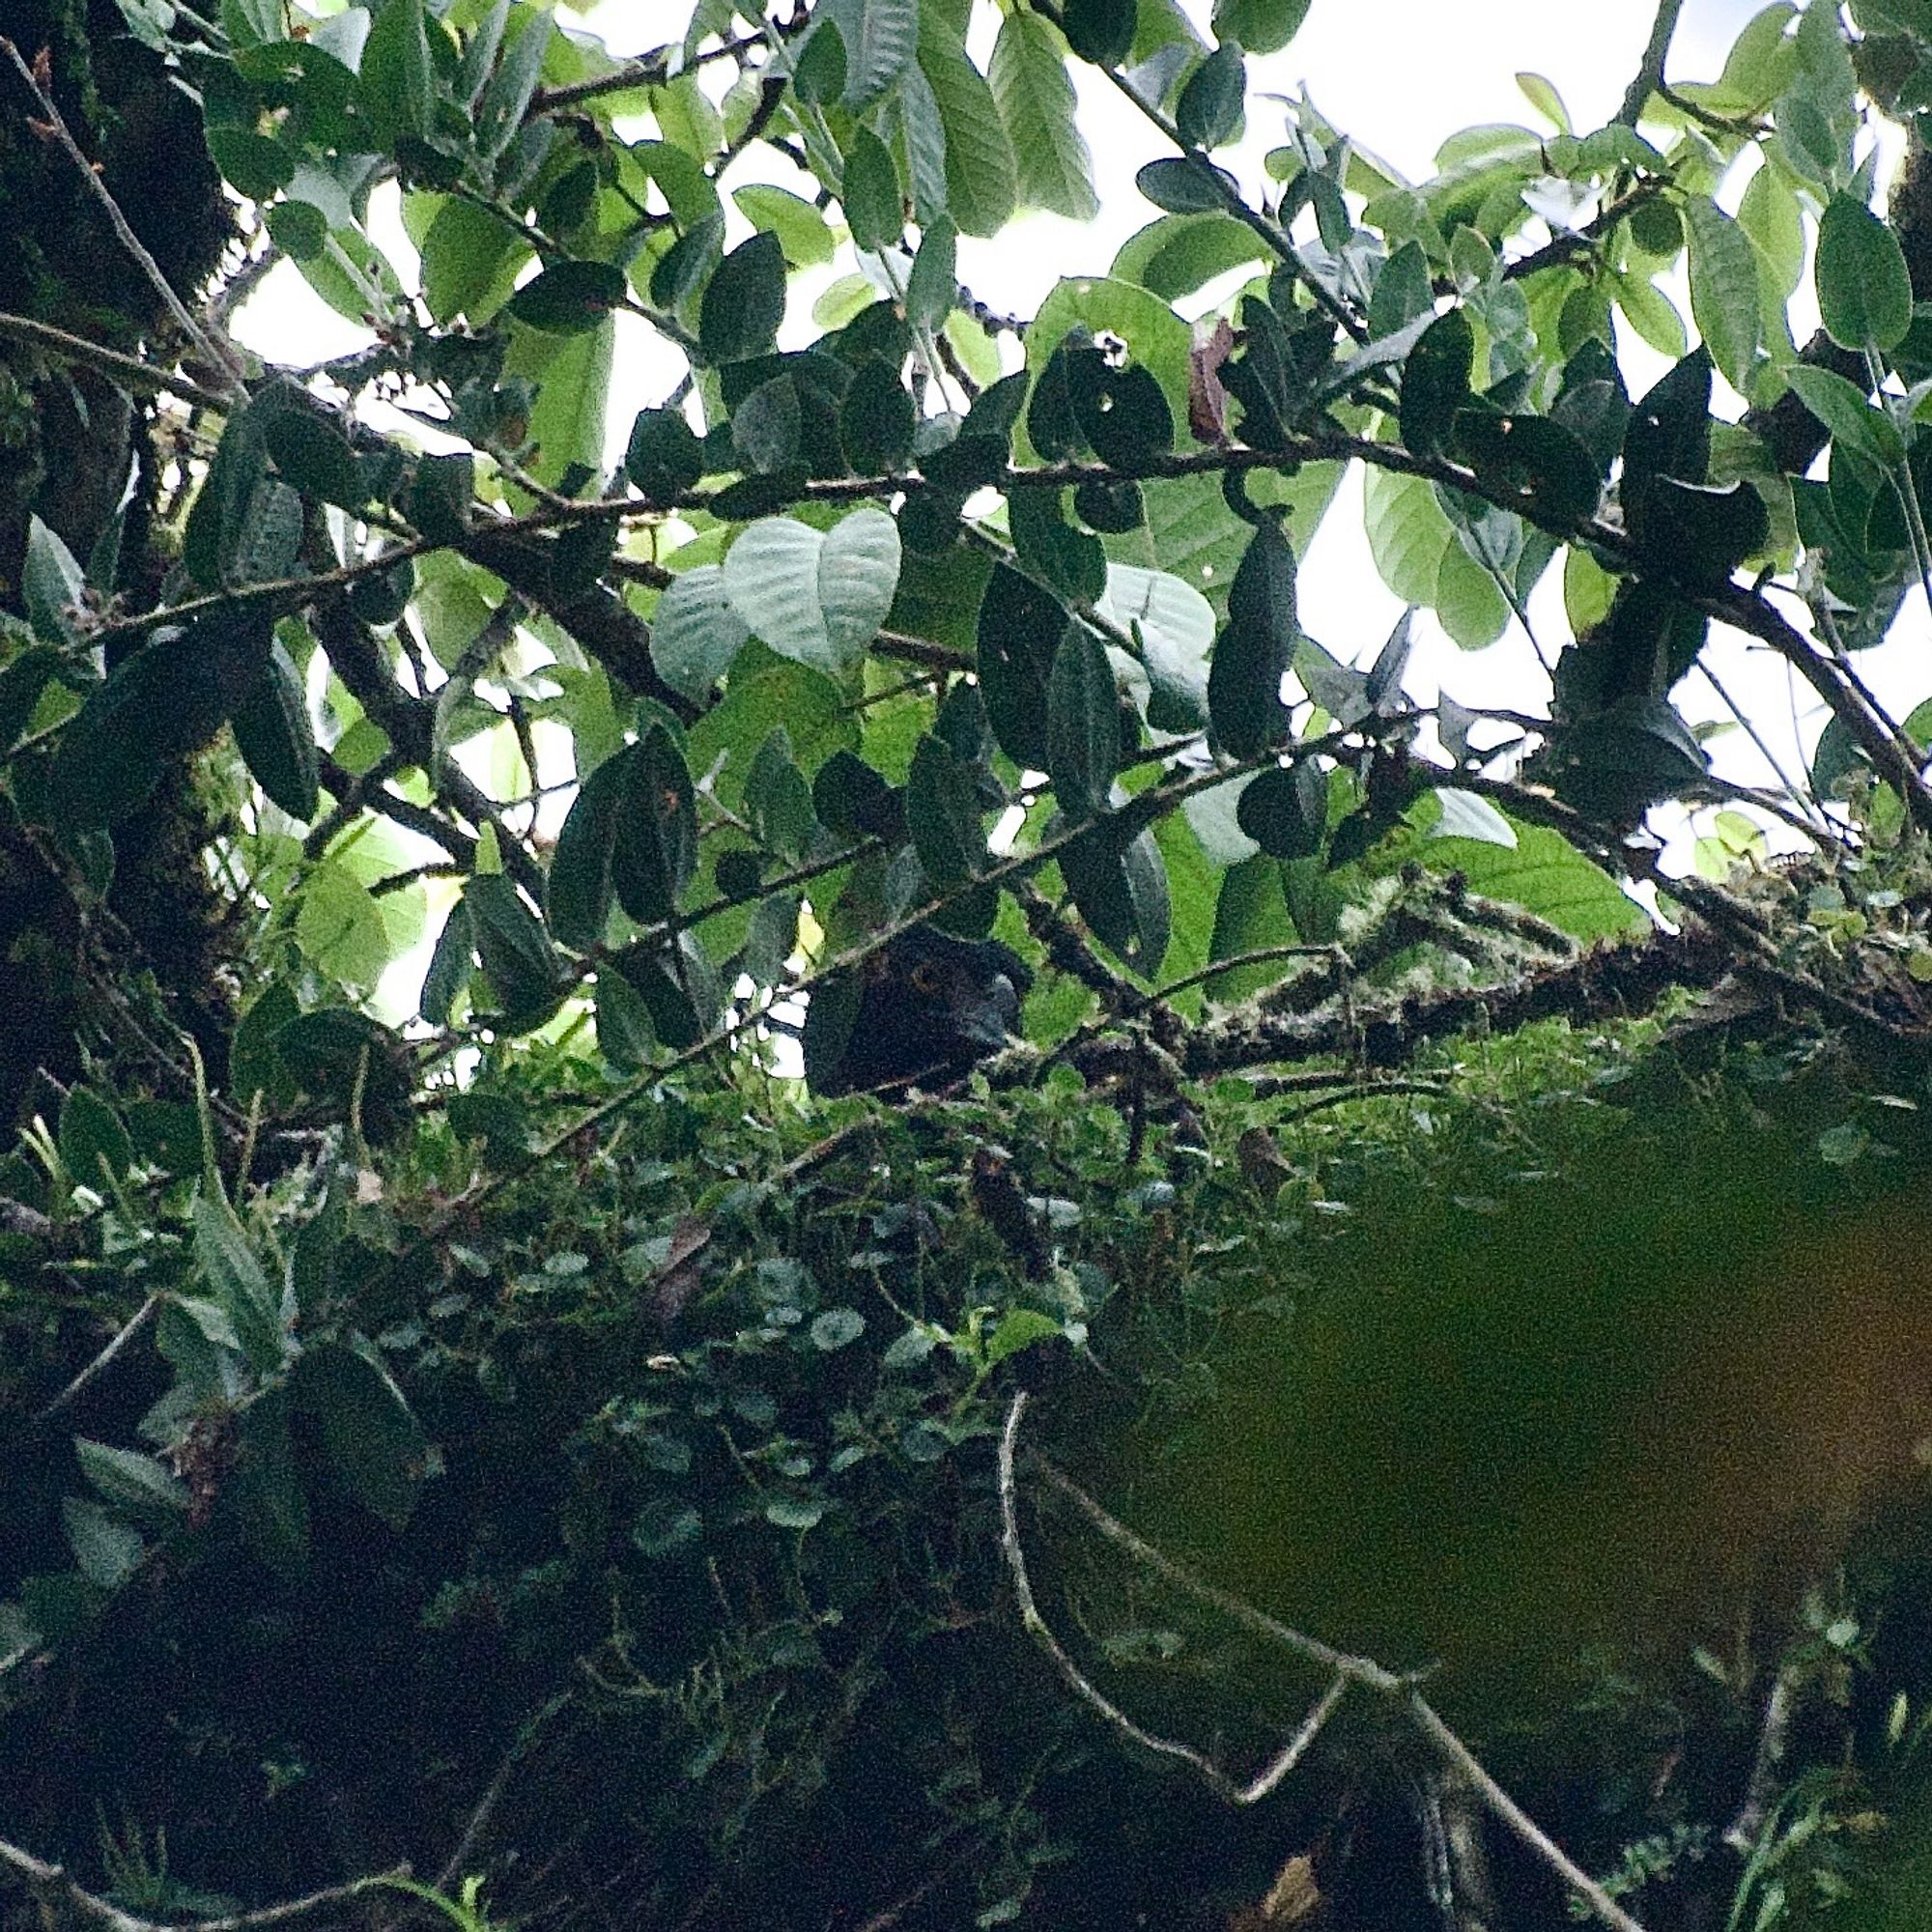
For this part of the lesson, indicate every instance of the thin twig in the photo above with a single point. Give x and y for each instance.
(62, 1897)
(101, 1362)
(147, 376)
(1359, 1670)
(1036, 1624)
(217, 354)
(1649, 76)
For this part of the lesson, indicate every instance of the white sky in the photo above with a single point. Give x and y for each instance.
(1433, 67)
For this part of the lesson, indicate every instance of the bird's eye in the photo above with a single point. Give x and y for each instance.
(926, 978)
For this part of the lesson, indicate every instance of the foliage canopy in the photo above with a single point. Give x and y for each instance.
(540, 1437)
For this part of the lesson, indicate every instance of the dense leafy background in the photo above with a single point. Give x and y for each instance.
(509, 1424)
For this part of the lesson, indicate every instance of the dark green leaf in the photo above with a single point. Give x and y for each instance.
(1083, 728)
(1705, 529)
(396, 85)
(569, 297)
(1122, 895)
(1187, 186)
(744, 301)
(1071, 560)
(851, 798)
(517, 955)
(94, 1145)
(1122, 413)
(1535, 455)
(655, 851)
(450, 964)
(1864, 292)
(1286, 812)
(933, 285)
(942, 808)
(1020, 630)
(166, 699)
(876, 422)
(682, 269)
(1209, 111)
(765, 427)
(820, 76)
(438, 497)
(368, 1428)
(314, 456)
(665, 457)
(1100, 31)
(579, 891)
(274, 734)
(1669, 430)
(1436, 382)
(870, 193)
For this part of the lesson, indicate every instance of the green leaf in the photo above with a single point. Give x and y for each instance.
(803, 232)
(573, 376)
(274, 734)
(1260, 26)
(237, 1283)
(1723, 288)
(1542, 95)
(92, 1138)
(1286, 811)
(340, 926)
(569, 297)
(1841, 407)
(368, 1428)
(1209, 110)
(655, 850)
(1546, 875)
(1100, 31)
(880, 38)
(395, 90)
(835, 1328)
(665, 457)
(818, 596)
(933, 285)
(1037, 103)
(499, 113)
(106, 1551)
(51, 583)
(1865, 291)
(942, 806)
(579, 891)
(518, 959)
(981, 173)
(1083, 726)
(696, 632)
(870, 193)
(1177, 254)
(1436, 382)
(744, 301)
(138, 1485)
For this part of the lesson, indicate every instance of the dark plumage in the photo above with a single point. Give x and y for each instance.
(927, 1008)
